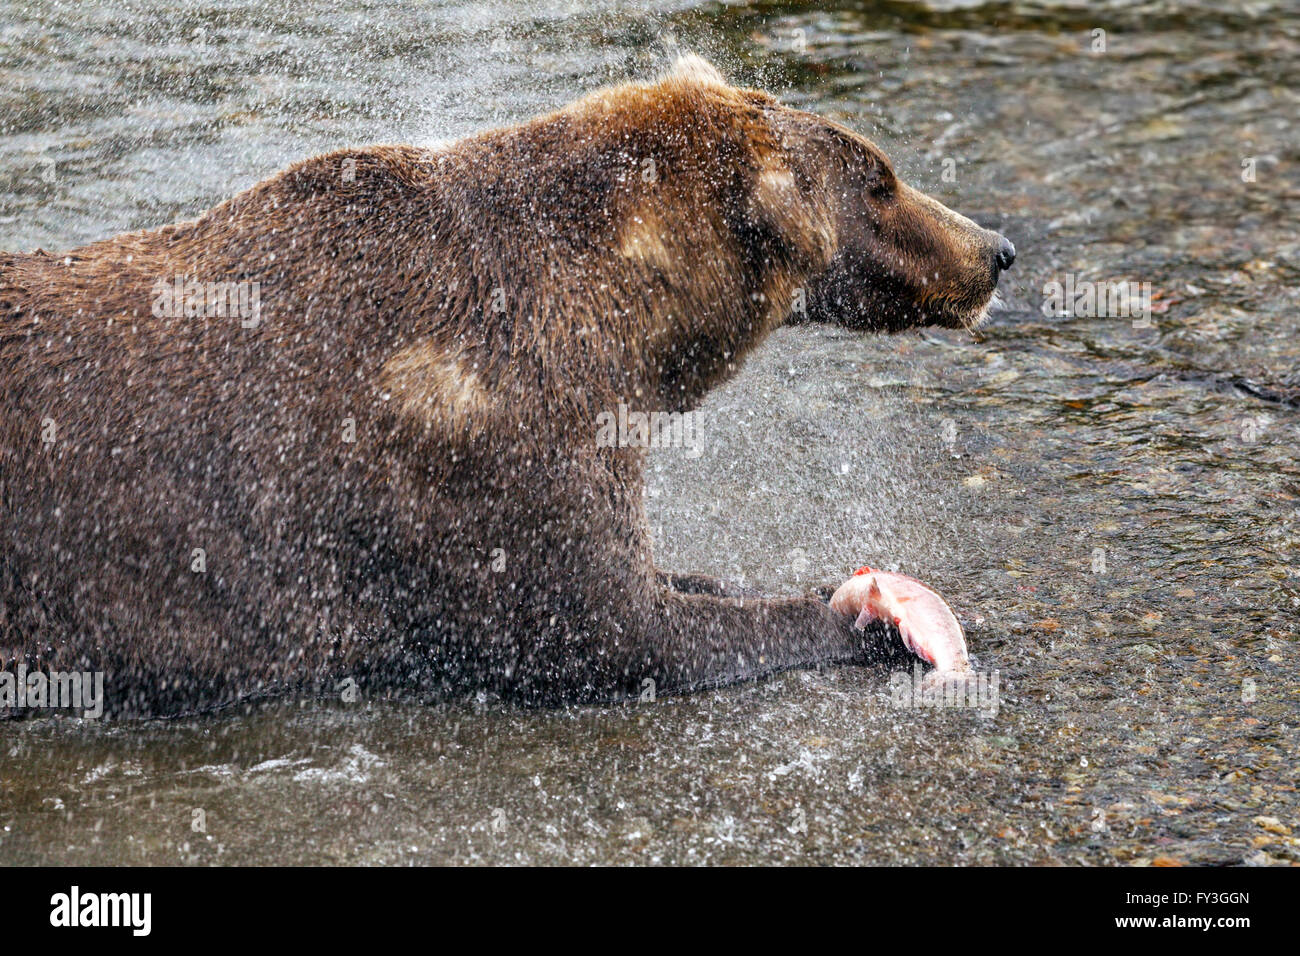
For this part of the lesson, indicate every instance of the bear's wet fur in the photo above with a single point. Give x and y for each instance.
(388, 470)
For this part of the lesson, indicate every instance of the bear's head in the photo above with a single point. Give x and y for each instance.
(899, 258)
(877, 254)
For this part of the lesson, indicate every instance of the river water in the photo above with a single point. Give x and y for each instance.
(1111, 503)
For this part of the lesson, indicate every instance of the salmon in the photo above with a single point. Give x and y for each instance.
(927, 625)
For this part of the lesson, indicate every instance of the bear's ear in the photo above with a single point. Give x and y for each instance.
(693, 68)
(795, 213)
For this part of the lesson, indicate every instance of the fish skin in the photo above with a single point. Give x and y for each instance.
(927, 625)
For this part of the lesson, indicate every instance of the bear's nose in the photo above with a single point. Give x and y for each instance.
(1006, 253)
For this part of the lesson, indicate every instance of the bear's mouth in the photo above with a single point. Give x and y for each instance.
(964, 312)
(979, 316)
(888, 302)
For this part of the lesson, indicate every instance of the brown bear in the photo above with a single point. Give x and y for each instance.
(343, 425)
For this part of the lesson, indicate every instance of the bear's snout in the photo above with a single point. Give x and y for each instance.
(1005, 254)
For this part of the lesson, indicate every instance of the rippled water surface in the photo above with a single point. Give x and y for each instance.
(1113, 507)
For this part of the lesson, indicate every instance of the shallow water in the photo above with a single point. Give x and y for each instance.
(1113, 510)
